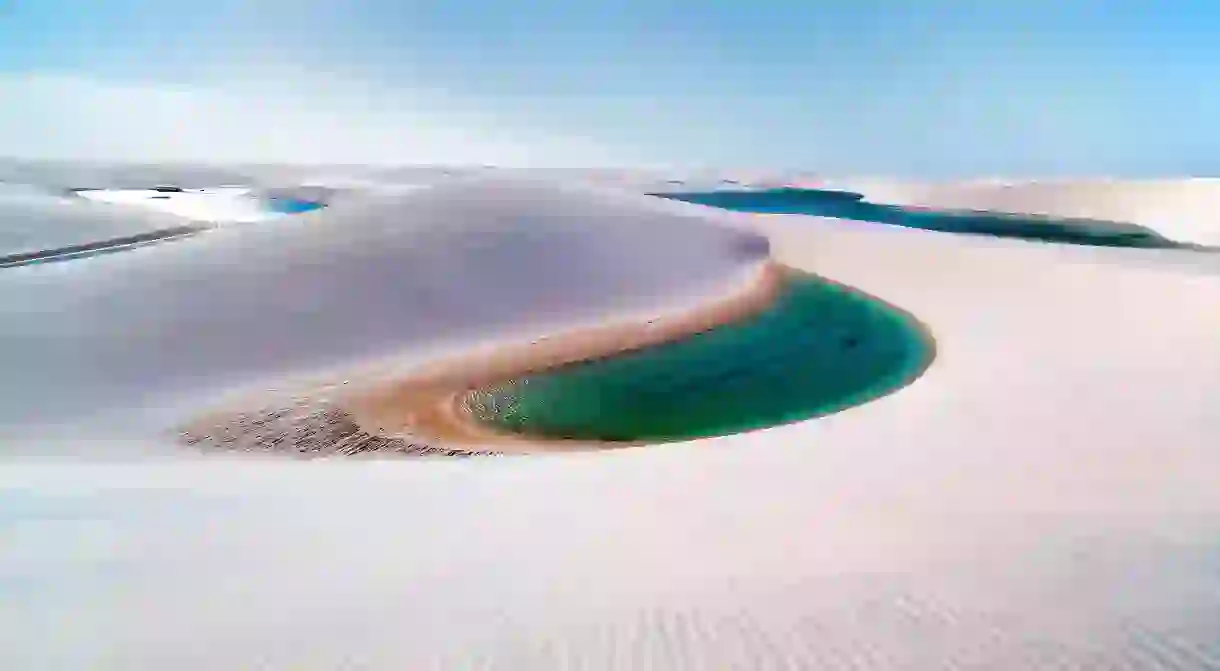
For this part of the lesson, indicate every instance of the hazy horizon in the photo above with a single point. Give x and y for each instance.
(937, 89)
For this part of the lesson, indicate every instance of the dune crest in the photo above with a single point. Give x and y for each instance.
(370, 289)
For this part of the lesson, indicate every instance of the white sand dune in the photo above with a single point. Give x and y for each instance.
(1043, 497)
(316, 296)
(1186, 210)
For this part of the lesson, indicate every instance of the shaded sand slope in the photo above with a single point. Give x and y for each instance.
(1185, 210)
(316, 295)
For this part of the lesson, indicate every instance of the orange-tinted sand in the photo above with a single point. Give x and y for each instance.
(428, 406)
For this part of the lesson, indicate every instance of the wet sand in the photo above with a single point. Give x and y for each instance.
(429, 407)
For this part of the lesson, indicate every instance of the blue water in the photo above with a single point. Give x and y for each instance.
(293, 205)
(847, 205)
(819, 348)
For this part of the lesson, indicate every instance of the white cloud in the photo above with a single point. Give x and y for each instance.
(286, 117)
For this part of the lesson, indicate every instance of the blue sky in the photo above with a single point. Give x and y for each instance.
(906, 87)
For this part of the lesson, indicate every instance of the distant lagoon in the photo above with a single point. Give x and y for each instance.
(852, 206)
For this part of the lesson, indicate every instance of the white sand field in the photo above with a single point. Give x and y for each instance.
(214, 205)
(1043, 497)
(33, 220)
(1186, 210)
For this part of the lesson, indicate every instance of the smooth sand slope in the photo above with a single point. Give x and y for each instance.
(1185, 210)
(357, 297)
(1043, 497)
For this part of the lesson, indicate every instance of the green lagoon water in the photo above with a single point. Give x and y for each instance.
(818, 348)
(852, 206)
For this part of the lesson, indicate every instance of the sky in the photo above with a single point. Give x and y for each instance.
(931, 88)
